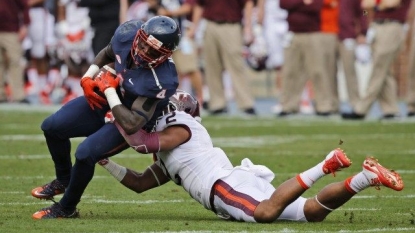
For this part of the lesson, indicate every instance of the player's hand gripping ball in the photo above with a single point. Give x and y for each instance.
(92, 93)
(106, 79)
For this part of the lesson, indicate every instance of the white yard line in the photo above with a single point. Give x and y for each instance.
(244, 142)
(289, 230)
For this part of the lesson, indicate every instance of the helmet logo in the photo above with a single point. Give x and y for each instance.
(151, 40)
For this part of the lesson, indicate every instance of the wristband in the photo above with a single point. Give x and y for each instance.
(112, 97)
(116, 170)
(92, 70)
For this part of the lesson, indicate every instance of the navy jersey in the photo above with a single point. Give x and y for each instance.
(157, 83)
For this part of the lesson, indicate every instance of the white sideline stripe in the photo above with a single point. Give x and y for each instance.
(136, 155)
(289, 230)
(359, 209)
(101, 201)
(409, 196)
(46, 177)
(257, 141)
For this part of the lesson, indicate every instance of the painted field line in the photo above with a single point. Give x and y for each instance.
(47, 177)
(409, 196)
(247, 141)
(289, 230)
(91, 201)
(47, 156)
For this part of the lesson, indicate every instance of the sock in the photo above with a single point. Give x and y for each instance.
(309, 177)
(357, 183)
(115, 170)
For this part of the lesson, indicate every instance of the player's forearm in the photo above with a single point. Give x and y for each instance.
(105, 56)
(141, 141)
(138, 182)
(129, 121)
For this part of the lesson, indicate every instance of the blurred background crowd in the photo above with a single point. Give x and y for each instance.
(311, 56)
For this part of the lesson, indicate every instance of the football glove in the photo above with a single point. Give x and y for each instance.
(106, 81)
(90, 87)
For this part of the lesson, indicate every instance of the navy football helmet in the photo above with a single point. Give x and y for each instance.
(155, 41)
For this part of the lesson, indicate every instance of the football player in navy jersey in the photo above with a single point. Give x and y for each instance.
(146, 78)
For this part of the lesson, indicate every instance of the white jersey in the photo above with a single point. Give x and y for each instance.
(206, 173)
(195, 164)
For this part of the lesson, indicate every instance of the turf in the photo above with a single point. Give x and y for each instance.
(287, 146)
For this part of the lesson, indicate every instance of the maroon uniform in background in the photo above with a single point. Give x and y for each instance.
(303, 59)
(389, 35)
(14, 18)
(223, 41)
(353, 25)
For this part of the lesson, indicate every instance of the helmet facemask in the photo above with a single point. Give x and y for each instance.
(148, 50)
(183, 101)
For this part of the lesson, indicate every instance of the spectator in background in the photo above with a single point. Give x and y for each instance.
(303, 58)
(105, 18)
(411, 64)
(222, 50)
(74, 47)
(40, 40)
(329, 38)
(389, 34)
(186, 55)
(275, 28)
(14, 20)
(353, 25)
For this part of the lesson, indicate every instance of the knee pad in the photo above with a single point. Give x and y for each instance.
(47, 125)
(85, 154)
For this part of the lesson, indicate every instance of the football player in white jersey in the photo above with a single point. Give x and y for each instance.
(184, 153)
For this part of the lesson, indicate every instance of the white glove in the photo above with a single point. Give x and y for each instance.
(363, 53)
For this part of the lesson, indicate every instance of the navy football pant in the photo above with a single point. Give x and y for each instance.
(77, 119)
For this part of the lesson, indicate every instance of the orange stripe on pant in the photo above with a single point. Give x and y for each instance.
(234, 198)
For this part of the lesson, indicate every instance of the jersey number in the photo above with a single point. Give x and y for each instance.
(161, 94)
(170, 118)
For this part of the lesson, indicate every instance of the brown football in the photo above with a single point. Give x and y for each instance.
(102, 71)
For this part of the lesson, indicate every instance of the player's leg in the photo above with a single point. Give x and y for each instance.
(75, 119)
(335, 195)
(136, 181)
(105, 142)
(289, 191)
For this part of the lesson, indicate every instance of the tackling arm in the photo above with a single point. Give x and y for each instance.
(138, 182)
(168, 139)
(152, 177)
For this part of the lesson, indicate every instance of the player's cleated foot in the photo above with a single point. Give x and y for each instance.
(381, 176)
(55, 211)
(48, 191)
(335, 160)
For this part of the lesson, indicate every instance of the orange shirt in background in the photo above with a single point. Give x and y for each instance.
(330, 16)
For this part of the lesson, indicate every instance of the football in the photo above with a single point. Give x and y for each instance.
(108, 67)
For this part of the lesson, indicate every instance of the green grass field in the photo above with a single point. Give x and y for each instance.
(287, 146)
